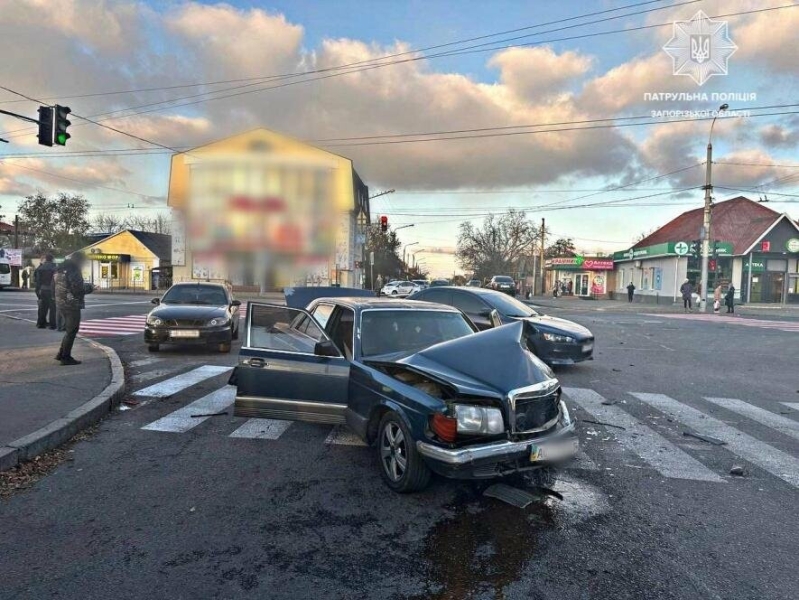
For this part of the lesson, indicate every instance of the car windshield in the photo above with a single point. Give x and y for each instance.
(502, 279)
(408, 331)
(510, 307)
(204, 295)
(5, 268)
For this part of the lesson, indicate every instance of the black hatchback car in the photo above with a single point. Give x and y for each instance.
(193, 313)
(555, 341)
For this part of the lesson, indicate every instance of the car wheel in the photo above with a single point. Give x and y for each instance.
(401, 466)
(224, 347)
(153, 347)
(394, 293)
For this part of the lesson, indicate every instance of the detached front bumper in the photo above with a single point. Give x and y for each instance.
(496, 459)
(555, 353)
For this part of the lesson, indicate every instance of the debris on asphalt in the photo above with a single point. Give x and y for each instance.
(550, 492)
(705, 438)
(616, 370)
(610, 402)
(130, 402)
(511, 495)
(216, 414)
(602, 423)
(738, 470)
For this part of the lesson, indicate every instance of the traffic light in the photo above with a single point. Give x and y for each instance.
(712, 264)
(46, 125)
(61, 124)
(384, 223)
(697, 246)
(716, 249)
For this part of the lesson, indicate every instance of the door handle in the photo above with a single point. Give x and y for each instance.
(258, 363)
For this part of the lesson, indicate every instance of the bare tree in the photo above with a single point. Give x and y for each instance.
(503, 245)
(105, 223)
(108, 223)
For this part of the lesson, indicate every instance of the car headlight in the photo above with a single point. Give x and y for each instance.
(218, 322)
(478, 419)
(154, 321)
(561, 339)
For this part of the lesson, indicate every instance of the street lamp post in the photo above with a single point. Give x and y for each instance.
(706, 217)
(362, 224)
(404, 256)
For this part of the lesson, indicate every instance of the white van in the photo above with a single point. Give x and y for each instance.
(5, 272)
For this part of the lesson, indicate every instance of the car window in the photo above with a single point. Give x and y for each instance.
(283, 329)
(503, 279)
(433, 295)
(203, 295)
(508, 306)
(322, 313)
(408, 331)
(468, 303)
(342, 330)
(5, 268)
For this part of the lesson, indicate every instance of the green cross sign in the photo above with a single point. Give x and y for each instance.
(681, 248)
(579, 260)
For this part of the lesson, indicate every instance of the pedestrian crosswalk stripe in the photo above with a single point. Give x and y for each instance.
(793, 405)
(164, 389)
(261, 429)
(341, 436)
(767, 457)
(188, 417)
(653, 448)
(148, 375)
(782, 424)
(144, 362)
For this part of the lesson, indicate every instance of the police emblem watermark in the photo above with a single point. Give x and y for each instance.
(700, 48)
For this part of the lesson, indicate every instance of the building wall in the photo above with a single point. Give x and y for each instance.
(657, 280)
(142, 261)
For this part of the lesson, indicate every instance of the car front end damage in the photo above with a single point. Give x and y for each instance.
(188, 331)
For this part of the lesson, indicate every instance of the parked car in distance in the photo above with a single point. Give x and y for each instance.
(555, 341)
(439, 283)
(412, 379)
(193, 313)
(422, 283)
(399, 289)
(502, 283)
(474, 283)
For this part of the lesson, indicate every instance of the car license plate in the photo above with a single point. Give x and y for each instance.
(553, 451)
(184, 333)
(588, 347)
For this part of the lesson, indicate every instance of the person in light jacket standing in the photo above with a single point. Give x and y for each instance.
(729, 299)
(717, 299)
(70, 290)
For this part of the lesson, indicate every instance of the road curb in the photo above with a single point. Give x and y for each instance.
(59, 431)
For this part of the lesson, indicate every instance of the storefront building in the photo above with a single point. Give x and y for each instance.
(129, 259)
(261, 211)
(582, 276)
(753, 248)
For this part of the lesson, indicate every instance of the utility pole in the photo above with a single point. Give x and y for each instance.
(706, 215)
(16, 244)
(541, 258)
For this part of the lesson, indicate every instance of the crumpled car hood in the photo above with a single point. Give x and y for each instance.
(492, 362)
(558, 325)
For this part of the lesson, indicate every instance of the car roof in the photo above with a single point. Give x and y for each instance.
(200, 283)
(468, 290)
(357, 303)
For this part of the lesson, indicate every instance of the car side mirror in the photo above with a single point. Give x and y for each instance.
(486, 313)
(156, 301)
(495, 319)
(326, 348)
(236, 303)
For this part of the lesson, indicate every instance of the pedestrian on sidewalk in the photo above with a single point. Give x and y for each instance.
(25, 276)
(717, 299)
(687, 291)
(630, 292)
(555, 289)
(570, 287)
(729, 299)
(70, 290)
(44, 286)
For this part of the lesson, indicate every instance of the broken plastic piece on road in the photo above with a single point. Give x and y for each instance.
(738, 470)
(602, 423)
(216, 414)
(511, 495)
(705, 438)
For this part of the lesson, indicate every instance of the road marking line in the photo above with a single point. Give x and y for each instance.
(793, 405)
(143, 362)
(776, 462)
(782, 424)
(155, 374)
(653, 448)
(172, 386)
(181, 420)
(261, 429)
(341, 436)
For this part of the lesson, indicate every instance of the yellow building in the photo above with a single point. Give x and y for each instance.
(262, 211)
(129, 259)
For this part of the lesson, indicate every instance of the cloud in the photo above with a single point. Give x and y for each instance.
(537, 73)
(775, 135)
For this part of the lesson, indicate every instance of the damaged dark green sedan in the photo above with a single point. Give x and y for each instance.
(415, 380)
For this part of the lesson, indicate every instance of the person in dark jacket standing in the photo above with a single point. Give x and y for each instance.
(44, 284)
(687, 291)
(69, 292)
(630, 291)
(729, 299)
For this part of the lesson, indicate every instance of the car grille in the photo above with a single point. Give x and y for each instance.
(187, 322)
(534, 412)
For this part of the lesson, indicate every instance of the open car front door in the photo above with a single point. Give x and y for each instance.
(289, 369)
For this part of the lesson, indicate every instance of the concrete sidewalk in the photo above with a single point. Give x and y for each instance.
(42, 403)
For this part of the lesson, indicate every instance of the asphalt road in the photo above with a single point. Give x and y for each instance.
(186, 510)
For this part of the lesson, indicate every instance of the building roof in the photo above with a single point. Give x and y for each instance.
(6, 226)
(159, 244)
(739, 220)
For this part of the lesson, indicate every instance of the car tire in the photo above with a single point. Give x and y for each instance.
(224, 347)
(394, 293)
(415, 475)
(153, 347)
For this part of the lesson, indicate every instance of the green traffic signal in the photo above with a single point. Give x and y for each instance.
(61, 139)
(61, 124)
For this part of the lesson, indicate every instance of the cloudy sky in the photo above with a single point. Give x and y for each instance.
(523, 77)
